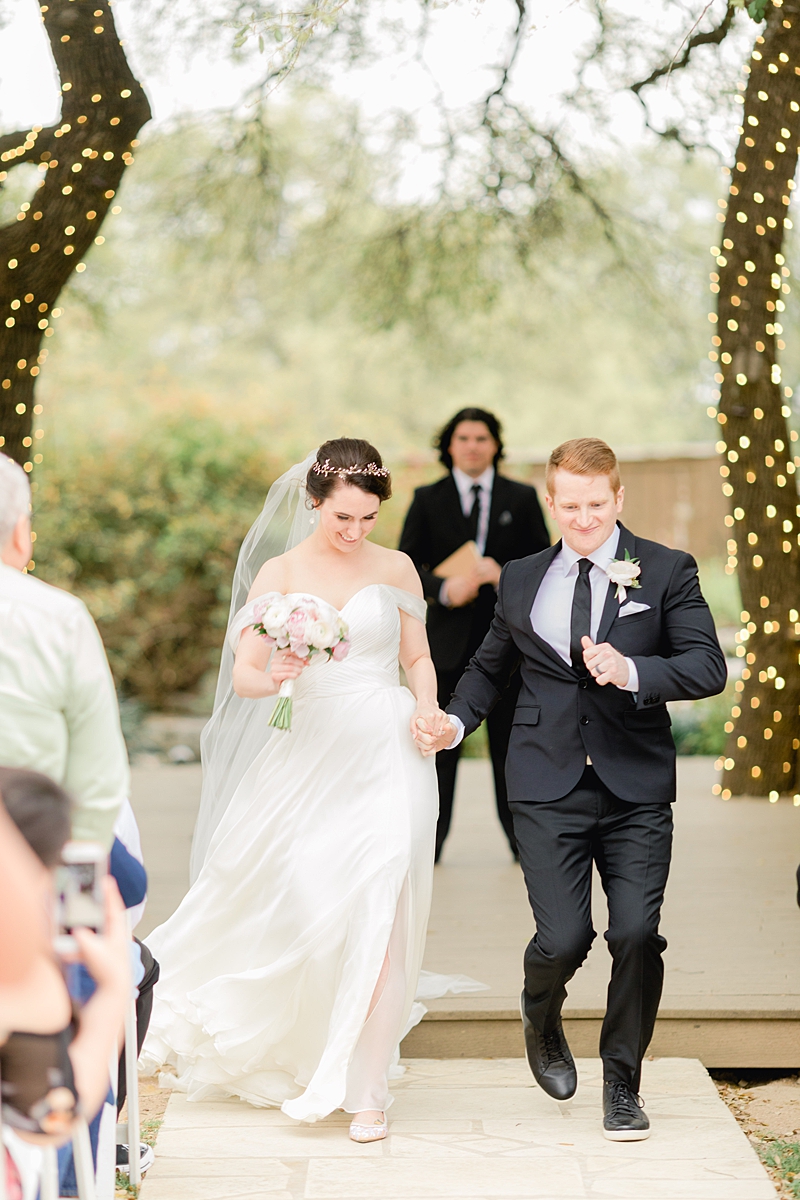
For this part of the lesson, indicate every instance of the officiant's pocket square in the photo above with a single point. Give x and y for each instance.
(505, 518)
(632, 607)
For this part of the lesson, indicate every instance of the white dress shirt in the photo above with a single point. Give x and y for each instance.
(465, 483)
(58, 707)
(551, 614)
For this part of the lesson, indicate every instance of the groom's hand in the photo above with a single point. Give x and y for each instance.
(605, 663)
(433, 737)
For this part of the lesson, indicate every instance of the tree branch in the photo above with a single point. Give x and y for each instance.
(712, 37)
(21, 147)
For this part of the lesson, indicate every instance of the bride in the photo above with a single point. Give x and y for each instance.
(289, 970)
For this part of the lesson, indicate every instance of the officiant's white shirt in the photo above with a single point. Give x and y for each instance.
(465, 483)
(58, 707)
(551, 614)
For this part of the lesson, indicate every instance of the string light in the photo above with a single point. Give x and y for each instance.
(74, 165)
(737, 448)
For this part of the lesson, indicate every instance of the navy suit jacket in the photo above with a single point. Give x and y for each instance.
(561, 716)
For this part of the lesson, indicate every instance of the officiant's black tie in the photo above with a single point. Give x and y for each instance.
(581, 620)
(474, 512)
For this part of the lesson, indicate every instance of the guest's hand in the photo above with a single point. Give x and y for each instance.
(106, 954)
(605, 663)
(488, 571)
(462, 589)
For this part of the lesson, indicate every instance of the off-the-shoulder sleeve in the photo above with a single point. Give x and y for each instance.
(243, 619)
(407, 602)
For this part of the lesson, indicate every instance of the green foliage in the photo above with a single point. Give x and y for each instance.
(757, 9)
(256, 267)
(146, 529)
(784, 1158)
(698, 725)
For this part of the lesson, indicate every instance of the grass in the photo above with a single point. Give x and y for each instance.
(124, 1189)
(784, 1160)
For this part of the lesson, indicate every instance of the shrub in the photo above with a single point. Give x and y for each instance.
(698, 725)
(146, 530)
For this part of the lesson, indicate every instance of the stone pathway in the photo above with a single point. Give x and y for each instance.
(463, 1130)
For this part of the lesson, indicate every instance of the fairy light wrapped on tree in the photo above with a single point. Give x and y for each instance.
(758, 467)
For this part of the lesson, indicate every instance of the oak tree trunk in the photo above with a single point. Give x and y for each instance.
(81, 161)
(758, 467)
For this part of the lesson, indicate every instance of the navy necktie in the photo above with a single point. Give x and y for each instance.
(581, 619)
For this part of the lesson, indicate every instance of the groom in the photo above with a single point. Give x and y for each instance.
(607, 628)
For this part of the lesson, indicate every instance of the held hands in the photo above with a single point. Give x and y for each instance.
(431, 729)
(605, 663)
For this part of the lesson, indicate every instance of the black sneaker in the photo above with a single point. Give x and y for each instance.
(549, 1058)
(623, 1118)
(146, 1158)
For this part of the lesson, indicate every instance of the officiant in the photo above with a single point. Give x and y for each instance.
(460, 532)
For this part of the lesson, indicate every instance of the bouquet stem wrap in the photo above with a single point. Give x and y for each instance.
(282, 712)
(305, 625)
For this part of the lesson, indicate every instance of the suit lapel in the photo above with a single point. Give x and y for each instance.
(455, 513)
(528, 594)
(495, 508)
(611, 607)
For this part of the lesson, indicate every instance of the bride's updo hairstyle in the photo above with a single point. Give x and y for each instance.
(348, 460)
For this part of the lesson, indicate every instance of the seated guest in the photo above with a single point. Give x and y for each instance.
(52, 1059)
(41, 811)
(58, 708)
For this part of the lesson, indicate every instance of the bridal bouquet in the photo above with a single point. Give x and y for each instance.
(304, 625)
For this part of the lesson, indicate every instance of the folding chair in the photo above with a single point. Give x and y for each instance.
(130, 1131)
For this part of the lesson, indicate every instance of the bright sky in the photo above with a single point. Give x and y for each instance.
(467, 39)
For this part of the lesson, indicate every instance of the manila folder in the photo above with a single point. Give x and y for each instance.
(460, 562)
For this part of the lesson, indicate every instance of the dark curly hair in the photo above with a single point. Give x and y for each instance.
(338, 461)
(443, 438)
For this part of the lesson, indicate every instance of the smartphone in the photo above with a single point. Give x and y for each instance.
(79, 892)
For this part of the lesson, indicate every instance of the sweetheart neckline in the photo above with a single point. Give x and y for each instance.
(365, 588)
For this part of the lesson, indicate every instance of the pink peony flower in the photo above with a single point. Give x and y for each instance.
(340, 651)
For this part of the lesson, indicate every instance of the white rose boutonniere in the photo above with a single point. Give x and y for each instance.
(624, 572)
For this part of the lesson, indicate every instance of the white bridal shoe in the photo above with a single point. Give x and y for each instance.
(374, 1132)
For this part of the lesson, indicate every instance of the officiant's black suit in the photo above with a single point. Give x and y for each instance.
(434, 528)
(616, 811)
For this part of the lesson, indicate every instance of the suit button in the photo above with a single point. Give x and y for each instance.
(584, 720)
(584, 683)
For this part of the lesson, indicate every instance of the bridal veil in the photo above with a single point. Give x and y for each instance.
(239, 727)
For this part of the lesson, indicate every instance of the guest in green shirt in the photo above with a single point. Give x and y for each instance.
(58, 707)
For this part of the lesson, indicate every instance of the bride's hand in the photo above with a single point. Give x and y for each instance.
(427, 724)
(286, 665)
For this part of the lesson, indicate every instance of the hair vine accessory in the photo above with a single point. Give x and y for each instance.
(327, 468)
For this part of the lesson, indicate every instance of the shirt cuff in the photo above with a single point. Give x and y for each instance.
(443, 598)
(459, 724)
(633, 677)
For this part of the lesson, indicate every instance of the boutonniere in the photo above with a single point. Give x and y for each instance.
(624, 572)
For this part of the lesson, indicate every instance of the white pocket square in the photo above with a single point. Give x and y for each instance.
(632, 607)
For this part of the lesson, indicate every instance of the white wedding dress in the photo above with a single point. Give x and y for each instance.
(322, 860)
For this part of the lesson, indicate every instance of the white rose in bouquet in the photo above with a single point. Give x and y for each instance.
(322, 634)
(309, 627)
